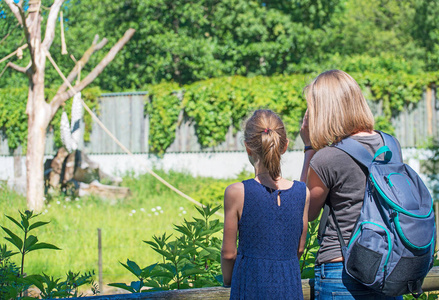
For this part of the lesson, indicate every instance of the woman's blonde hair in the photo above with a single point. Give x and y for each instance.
(336, 108)
(266, 137)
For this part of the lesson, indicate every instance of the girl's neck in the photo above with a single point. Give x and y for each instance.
(262, 175)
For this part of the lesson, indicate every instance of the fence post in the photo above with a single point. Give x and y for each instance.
(101, 285)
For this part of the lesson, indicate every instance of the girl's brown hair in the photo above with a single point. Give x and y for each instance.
(266, 138)
(336, 108)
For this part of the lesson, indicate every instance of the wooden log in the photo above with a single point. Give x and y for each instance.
(55, 168)
(103, 191)
(431, 283)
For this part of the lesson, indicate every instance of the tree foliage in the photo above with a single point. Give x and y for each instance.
(186, 41)
(392, 47)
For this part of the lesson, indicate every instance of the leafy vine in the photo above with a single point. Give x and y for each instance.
(217, 104)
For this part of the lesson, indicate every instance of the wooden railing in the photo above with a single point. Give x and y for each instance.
(431, 283)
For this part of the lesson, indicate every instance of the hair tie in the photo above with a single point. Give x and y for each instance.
(266, 130)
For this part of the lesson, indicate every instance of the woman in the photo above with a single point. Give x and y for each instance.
(336, 109)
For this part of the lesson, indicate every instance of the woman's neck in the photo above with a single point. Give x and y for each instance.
(363, 133)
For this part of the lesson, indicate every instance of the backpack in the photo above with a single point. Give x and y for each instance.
(391, 248)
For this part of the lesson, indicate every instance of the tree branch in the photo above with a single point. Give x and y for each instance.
(26, 31)
(17, 67)
(51, 24)
(13, 53)
(14, 10)
(62, 97)
(81, 63)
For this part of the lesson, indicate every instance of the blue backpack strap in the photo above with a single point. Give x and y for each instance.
(393, 145)
(356, 151)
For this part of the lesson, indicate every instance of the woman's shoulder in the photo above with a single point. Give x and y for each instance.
(326, 153)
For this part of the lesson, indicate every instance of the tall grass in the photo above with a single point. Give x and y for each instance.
(152, 209)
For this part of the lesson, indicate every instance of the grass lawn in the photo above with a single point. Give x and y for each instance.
(152, 209)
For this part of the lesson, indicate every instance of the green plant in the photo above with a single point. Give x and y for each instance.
(13, 280)
(9, 272)
(190, 260)
(29, 242)
(307, 261)
(54, 288)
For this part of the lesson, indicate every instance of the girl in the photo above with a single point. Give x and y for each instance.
(270, 214)
(336, 109)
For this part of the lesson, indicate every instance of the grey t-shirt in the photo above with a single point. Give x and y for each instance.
(346, 182)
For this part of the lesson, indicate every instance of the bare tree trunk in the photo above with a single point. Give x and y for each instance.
(39, 113)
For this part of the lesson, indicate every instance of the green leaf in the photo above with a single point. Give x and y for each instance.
(123, 286)
(169, 267)
(36, 280)
(135, 269)
(30, 241)
(15, 240)
(37, 224)
(9, 254)
(42, 246)
(192, 271)
(164, 253)
(162, 274)
(15, 221)
(137, 285)
(25, 220)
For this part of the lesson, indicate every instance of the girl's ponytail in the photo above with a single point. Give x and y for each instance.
(266, 137)
(271, 152)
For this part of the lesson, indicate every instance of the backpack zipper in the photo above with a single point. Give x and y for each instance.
(394, 205)
(389, 240)
(404, 238)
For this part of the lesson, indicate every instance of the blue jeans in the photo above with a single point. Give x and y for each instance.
(332, 282)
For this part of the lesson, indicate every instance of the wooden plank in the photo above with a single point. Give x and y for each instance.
(136, 125)
(435, 104)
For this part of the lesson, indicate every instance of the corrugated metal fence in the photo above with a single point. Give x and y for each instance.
(123, 114)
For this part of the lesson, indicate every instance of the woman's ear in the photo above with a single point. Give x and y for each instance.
(249, 152)
(286, 147)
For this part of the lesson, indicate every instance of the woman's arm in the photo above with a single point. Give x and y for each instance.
(317, 190)
(233, 203)
(305, 226)
(318, 193)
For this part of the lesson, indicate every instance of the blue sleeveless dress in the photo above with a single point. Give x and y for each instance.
(267, 266)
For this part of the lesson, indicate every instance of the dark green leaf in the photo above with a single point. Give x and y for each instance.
(25, 220)
(135, 269)
(15, 221)
(137, 285)
(37, 224)
(36, 280)
(15, 240)
(42, 246)
(30, 241)
(123, 286)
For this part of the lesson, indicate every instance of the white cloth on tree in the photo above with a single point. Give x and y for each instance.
(66, 136)
(77, 112)
(71, 134)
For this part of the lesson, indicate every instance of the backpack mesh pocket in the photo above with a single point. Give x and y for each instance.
(361, 259)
